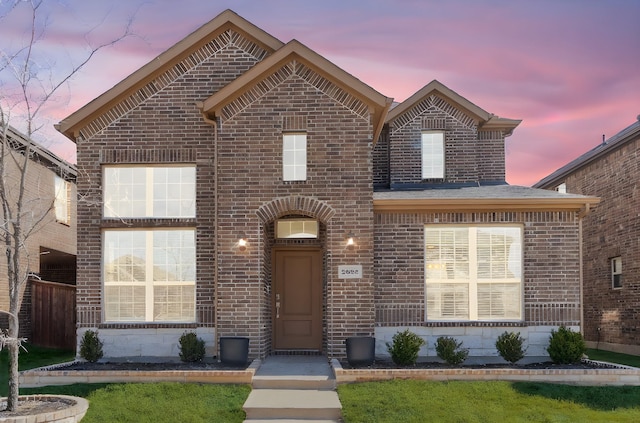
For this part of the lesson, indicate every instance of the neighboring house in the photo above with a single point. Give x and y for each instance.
(51, 249)
(240, 186)
(611, 269)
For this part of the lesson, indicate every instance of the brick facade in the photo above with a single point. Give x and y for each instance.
(612, 316)
(223, 105)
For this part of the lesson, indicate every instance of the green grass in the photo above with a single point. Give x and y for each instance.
(419, 401)
(612, 357)
(31, 358)
(157, 402)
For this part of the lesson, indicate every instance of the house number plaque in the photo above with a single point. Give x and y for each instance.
(350, 272)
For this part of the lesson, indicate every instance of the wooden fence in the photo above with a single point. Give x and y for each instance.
(53, 315)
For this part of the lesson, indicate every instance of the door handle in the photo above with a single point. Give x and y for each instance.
(277, 309)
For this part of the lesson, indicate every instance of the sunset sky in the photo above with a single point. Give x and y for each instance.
(570, 69)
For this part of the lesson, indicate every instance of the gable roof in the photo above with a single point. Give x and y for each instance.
(630, 133)
(484, 119)
(19, 142)
(228, 19)
(294, 51)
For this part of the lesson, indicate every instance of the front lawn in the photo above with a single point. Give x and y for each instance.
(499, 401)
(32, 358)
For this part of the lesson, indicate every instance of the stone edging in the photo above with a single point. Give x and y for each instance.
(51, 376)
(607, 375)
(74, 413)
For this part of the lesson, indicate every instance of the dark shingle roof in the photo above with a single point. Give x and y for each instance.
(626, 135)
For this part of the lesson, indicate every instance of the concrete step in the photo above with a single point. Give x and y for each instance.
(294, 382)
(292, 404)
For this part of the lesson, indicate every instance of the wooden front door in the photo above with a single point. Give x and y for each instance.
(297, 299)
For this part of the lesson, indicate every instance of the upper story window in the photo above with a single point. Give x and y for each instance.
(294, 157)
(616, 272)
(562, 188)
(149, 191)
(433, 155)
(473, 273)
(62, 203)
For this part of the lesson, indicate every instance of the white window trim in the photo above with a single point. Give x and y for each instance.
(62, 202)
(616, 270)
(297, 168)
(432, 155)
(148, 283)
(110, 212)
(472, 281)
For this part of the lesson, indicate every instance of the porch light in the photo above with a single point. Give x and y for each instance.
(351, 240)
(242, 242)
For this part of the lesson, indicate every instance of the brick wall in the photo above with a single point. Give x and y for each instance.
(550, 255)
(470, 155)
(168, 128)
(48, 234)
(611, 230)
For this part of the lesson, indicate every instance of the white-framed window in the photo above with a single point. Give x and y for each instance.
(149, 191)
(432, 155)
(562, 188)
(149, 275)
(294, 157)
(473, 273)
(62, 202)
(616, 272)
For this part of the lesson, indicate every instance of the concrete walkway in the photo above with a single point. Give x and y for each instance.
(293, 388)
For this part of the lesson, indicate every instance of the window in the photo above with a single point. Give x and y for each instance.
(562, 188)
(149, 275)
(433, 155)
(616, 272)
(473, 273)
(139, 191)
(294, 157)
(62, 200)
(296, 228)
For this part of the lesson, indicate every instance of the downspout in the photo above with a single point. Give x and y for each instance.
(581, 276)
(214, 123)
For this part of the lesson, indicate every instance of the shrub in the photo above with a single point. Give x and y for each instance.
(509, 346)
(91, 346)
(449, 350)
(566, 346)
(191, 347)
(405, 347)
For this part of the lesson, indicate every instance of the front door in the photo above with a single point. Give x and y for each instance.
(297, 299)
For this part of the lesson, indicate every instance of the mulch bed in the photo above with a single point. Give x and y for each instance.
(384, 364)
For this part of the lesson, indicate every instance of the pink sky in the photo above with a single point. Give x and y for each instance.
(569, 69)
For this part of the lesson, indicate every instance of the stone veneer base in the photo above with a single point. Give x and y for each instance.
(72, 414)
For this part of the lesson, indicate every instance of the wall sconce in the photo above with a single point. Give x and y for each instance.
(242, 242)
(351, 240)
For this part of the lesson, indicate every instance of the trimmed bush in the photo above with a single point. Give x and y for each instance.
(191, 347)
(91, 346)
(449, 350)
(405, 347)
(509, 346)
(566, 346)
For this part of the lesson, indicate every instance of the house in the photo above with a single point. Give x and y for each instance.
(610, 241)
(50, 251)
(240, 186)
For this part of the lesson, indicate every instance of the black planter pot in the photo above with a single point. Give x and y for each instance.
(234, 350)
(361, 350)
